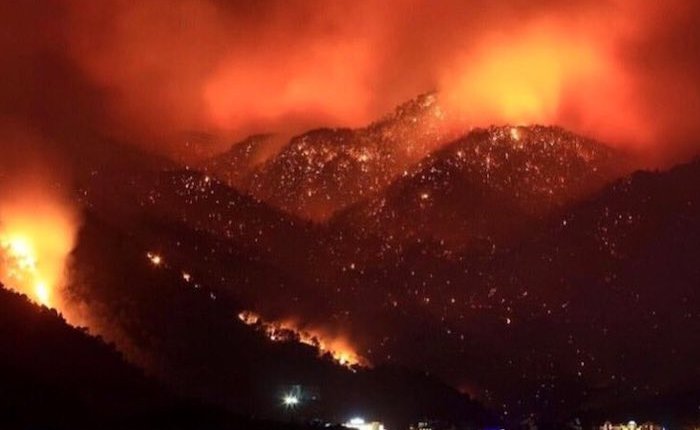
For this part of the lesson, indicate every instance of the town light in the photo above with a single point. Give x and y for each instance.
(290, 400)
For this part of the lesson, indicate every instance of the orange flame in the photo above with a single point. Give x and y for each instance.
(337, 347)
(37, 234)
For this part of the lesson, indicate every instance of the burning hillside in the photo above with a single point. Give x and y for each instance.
(37, 234)
(443, 187)
(287, 331)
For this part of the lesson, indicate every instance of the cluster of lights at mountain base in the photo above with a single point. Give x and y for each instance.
(359, 423)
(286, 331)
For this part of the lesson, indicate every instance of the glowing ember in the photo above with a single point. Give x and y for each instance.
(285, 331)
(514, 133)
(155, 259)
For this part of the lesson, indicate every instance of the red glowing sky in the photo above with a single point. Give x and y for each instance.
(621, 71)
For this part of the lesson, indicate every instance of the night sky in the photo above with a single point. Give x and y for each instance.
(501, 197)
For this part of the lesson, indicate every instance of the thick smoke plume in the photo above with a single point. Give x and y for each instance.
(622, 71)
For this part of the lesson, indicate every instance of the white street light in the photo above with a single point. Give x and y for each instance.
(290, 400)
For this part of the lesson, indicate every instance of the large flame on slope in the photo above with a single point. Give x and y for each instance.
(37, 234)
(338, 347)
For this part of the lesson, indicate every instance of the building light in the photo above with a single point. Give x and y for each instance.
(360, 424)
(290, 400)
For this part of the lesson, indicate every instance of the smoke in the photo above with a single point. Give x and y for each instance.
(544, 73)
(622, 71)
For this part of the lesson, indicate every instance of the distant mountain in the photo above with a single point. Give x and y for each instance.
(486, 187)
(322, 171)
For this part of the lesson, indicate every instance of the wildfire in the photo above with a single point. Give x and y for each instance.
(36, 236)
(22, 267)
(285, 331)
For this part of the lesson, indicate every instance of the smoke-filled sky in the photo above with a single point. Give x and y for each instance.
(147, 72)
(84, 78)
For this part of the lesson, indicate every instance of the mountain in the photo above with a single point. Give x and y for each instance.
(513, 263)
(235, 166)
(55, 376)
(254, 243)
(324, 170)
(221, 252)
(484, 188)
(499, 274)
(598, 304)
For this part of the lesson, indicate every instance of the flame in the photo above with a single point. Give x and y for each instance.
(337, 347)
(37, 234)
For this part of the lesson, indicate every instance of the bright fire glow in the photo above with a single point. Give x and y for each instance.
(522, 81)
(337, 346)
(36, 236)
(544, 73)
(20, 257)
(515, 133)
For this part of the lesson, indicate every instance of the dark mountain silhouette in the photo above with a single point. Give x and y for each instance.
(505, 259)
(188, 333)
(557, 256)
(599, 304)
(54, 376)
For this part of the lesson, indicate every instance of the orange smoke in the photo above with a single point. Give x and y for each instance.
(545, 73)
(338, 347)
(170, 67)
(324, 83)
(618, 70)
(37, 234)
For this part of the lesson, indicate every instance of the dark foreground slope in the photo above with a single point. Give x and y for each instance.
(54, 376)
(188, 333)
